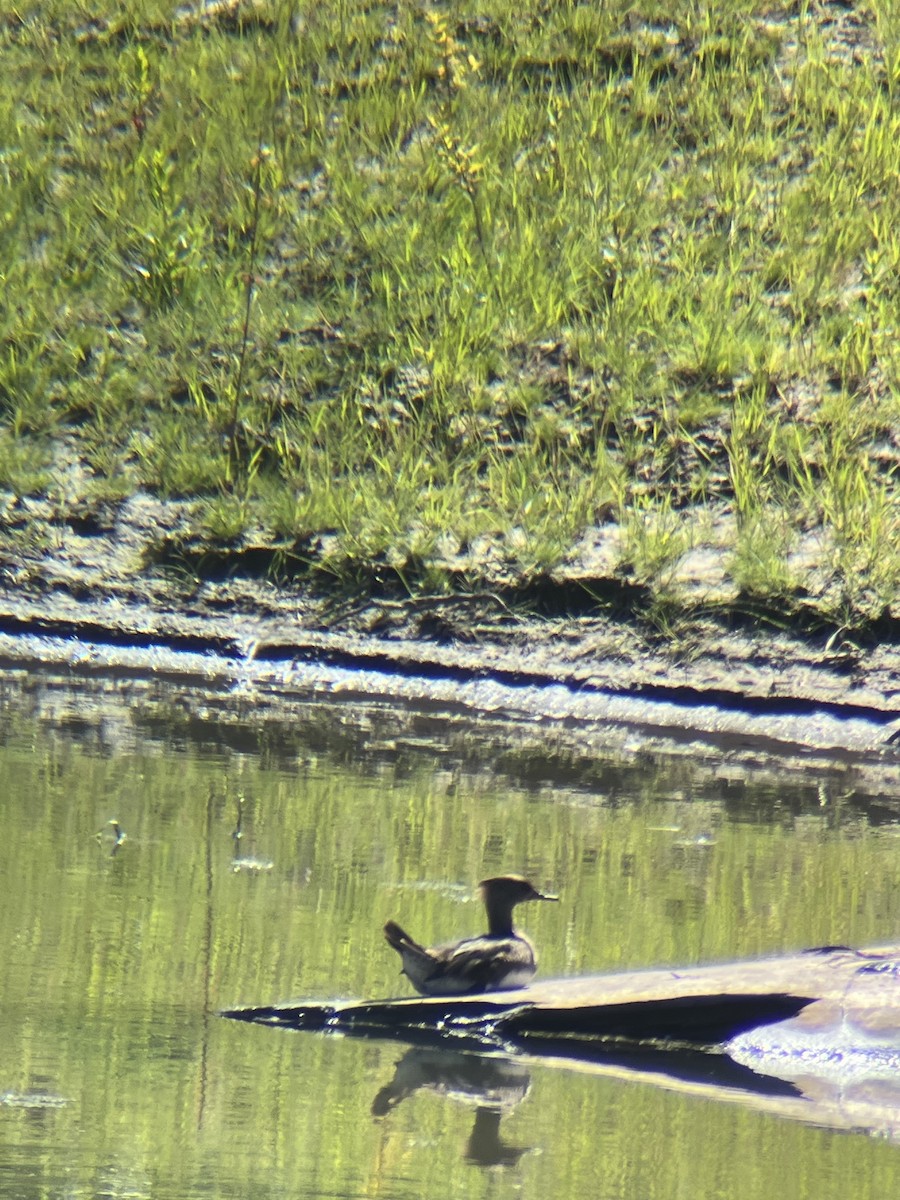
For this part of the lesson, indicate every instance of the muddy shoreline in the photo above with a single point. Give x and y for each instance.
(89, 597)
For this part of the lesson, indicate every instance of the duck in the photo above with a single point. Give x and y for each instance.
(498, 960)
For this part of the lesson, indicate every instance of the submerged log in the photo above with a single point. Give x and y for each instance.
(704, 1006)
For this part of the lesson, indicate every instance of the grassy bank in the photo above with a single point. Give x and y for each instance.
(428, 294)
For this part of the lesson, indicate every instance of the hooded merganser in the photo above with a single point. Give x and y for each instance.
(499, 959)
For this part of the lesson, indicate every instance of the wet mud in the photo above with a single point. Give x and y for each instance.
(91, 594)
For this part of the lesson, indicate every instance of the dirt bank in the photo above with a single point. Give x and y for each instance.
(86, 590)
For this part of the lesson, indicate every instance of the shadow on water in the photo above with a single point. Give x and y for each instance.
(862, 1097)
(494, 1085)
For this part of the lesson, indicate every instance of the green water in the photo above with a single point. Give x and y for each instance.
(117, 1078)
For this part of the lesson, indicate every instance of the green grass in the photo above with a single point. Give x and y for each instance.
(409, 278)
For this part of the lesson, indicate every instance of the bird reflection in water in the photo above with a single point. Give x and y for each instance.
(494, 1086)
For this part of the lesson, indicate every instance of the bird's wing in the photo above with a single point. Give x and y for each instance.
(475, 962)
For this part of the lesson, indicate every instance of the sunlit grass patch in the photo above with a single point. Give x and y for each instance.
(401, 279)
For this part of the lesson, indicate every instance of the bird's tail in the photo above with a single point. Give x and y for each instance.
(400, 940)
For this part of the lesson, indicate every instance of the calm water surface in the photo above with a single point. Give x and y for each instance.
(261, 866)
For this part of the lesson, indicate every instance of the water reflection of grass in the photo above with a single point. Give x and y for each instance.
(115, 965)
(417, 281)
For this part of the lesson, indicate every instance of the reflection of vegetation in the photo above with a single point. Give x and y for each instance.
(512, 272)
(105, 982)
